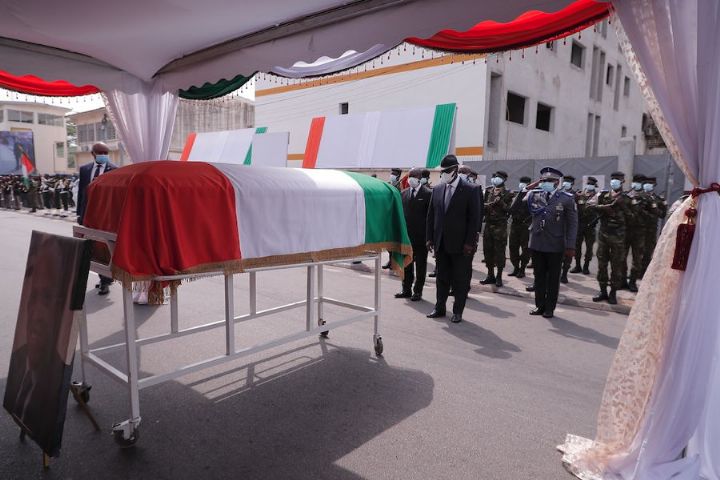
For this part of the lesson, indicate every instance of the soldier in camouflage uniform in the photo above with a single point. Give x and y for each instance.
(655, 209)
(634, 234)
(587, 221)
(614, 211)
(497, 207)
(520, 219)
(568, 183)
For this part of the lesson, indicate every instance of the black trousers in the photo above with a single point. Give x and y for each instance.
(547, 278)
(416, 270)
(455, 270)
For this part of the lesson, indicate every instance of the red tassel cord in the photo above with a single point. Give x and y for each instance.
(686, 231)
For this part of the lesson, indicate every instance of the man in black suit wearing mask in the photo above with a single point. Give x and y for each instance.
(88, 173)
(415, 200)
(452, 225)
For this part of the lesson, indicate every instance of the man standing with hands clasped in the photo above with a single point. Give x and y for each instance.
(452, 224)
(552, 237)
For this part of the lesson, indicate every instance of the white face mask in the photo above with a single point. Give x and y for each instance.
(463, 176)
(471, 179)
(648, 187)
(522, 186)
(423, 181)
(637, 186)
(447, 177)
(393, 178)
(414, 182)
(497, 181)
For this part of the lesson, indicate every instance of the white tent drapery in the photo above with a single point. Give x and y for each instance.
(675, 45)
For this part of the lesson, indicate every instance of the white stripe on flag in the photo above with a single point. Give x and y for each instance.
(283, 211)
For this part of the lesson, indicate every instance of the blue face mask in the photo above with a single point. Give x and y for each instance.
(637, 186)
(497, 181)
(522, 186)
(102, 158)
(548, 186)
(567, 185)
(648, 187)
(615, 184)
(590, 188)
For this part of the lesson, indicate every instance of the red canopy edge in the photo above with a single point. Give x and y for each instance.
(32, 85)
(529, 29)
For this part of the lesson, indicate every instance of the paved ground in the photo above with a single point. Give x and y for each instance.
(489, 398)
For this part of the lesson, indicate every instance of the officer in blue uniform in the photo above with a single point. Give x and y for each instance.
(552, 236)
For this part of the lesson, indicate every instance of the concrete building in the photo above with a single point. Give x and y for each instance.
(47, 124)
(95, 126)
(568, 98)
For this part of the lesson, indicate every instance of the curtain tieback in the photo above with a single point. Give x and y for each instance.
(686, 231)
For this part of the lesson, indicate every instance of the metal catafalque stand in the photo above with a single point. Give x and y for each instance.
(126, 433)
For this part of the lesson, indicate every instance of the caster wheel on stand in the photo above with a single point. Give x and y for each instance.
(125, 434)
(81, 391)
(378, 346)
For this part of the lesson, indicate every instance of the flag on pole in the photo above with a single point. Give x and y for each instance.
(27, 166)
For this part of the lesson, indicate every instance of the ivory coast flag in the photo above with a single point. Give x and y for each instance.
(206, 217)
(415, 137)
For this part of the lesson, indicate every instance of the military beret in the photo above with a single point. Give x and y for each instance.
(525, 179)
(501, 174)
(617, 175)
(550, 172)
(569, 178)
(592, 180)
(639, 178)
(396, 170)
(652, 180)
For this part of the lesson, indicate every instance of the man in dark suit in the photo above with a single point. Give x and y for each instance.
(452, 226)
(552, 237)
(416, 201)
(88, 173)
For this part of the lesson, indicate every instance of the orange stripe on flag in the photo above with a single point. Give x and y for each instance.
(188, 147)
(313, 142)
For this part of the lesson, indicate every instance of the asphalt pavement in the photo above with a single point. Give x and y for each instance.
(489, 398)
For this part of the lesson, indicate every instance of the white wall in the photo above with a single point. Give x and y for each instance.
(548, 77)
(462, 84)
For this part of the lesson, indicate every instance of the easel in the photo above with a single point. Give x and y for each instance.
(81, 395)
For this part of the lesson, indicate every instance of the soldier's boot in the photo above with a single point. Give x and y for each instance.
(632, 285)
(515, 271)
(625, 285)
(612, 298)
(603, 295)
(521, 271)
(490, 278)
(586, 267)
(498, 279)
(563, 276)
(577, 268)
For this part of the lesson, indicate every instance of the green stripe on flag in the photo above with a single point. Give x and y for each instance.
(384, 219)
(440, 136)
(248, 157)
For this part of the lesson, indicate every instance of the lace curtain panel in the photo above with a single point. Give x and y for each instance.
(663, 388)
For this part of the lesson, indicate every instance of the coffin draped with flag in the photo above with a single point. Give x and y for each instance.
(174, 218)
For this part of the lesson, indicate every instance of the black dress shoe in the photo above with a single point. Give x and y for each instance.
(97, 285)
(537, 311)
(548, 314)
(104, 290)
(432, 274)
(403, 295)
(456, 318)
(436, 314)
(386, 266)
(530, 288)
(416, 297)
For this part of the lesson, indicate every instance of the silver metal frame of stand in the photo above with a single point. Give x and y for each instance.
(126, 433)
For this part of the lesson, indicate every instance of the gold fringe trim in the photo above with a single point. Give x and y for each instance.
(239, 266)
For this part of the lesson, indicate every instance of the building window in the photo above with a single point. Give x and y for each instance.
(108, 134)
(344, 108)
(623, 131)
(543, 118)
(626, 88)
(577, 54)
(60, 149)
(20, 116)
(550, 45)
(2, 116)
(49, 119)
(86, 133)
(515, 108)
(609, 75)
